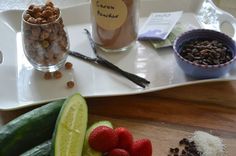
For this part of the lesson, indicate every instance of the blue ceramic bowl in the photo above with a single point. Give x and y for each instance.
(204, 71)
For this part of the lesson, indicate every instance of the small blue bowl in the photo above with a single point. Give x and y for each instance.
(200, 71)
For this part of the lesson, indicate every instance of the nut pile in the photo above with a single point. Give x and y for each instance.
(45, 40)
(42, 14)
(206, 52)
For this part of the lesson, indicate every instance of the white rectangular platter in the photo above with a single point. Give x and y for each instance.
(21, 85)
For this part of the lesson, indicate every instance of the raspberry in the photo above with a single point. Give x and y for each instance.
(125, 138)
(142, 147)
(118, 152)
(103, 139)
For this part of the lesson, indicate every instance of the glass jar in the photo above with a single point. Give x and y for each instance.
(45, 43)
(114, 23)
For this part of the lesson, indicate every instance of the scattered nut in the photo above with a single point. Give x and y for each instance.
(57, 74)
(68, 65)
(70, 84)
(47, 76)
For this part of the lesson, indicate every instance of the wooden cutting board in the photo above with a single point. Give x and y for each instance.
(166, 121)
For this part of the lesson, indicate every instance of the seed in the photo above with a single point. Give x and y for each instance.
(57, 74)
(47, 76)
(70, 84)
(176, 150)
(181, 142)
(183, 152)
(172, 150)
(68, 65)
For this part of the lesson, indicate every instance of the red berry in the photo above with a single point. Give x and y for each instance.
(118, 152)
(103, 139)
(142, 147)
(125, 138)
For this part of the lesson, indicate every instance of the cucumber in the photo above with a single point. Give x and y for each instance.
(68, 137)
(29, 129)
(87, 150)
(43, 149)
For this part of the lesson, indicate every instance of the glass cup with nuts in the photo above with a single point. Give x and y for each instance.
(44, 36)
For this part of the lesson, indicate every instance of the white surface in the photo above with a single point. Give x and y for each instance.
(227, 5)
(22, 86)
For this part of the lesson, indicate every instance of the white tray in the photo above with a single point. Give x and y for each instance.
(21, 85)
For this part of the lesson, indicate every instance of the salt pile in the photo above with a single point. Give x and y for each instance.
(208, 144)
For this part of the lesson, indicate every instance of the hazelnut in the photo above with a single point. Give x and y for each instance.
(26, 16)
(47, 76)
(50, 4)
(47, 13)
(70, 84)
(68, 65)
(31, 20)
(31, 7)
(57, 74)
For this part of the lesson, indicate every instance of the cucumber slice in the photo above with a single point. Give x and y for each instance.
(68, 137)
(87, 150)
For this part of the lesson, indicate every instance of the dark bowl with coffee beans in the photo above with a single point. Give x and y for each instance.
(205, 54)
